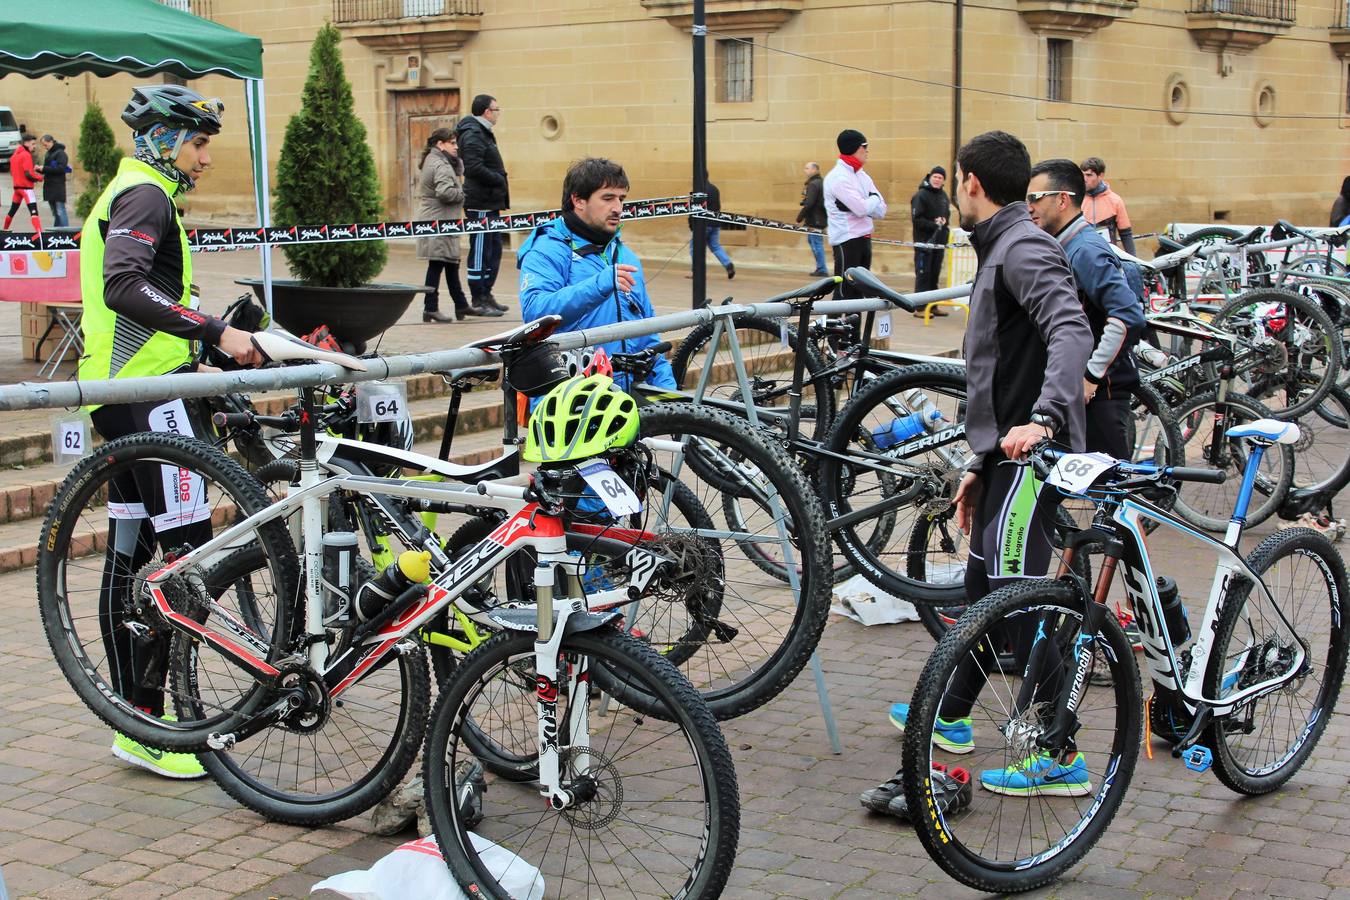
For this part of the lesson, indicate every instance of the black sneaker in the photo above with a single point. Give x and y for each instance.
(951, 791)
(484, 311)
(490, 301)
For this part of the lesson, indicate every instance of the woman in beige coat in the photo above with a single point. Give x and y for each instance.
(440, 197)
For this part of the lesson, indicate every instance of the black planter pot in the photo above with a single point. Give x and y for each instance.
(353, 315)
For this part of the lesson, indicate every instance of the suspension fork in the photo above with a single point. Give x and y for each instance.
(1045, 660)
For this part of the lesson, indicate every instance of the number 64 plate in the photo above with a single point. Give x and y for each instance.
(617, 496)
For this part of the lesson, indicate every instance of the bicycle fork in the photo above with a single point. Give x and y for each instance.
(547, 674)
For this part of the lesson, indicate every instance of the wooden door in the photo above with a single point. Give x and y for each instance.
(417, 114)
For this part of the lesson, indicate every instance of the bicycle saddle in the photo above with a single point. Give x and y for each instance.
(864, 279)
(1171, 260)
(530, 333)
(1166, 243)
(1249, 237)
(1272, 430)
(277, 347)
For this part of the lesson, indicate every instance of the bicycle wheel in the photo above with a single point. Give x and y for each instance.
(1264, 741)
(1300, 348)
(332, 765)
(768, 364)
(1317, 264)
(1151, 429)
(1030, 816)
(91, 570)
(763, 635)
(1322, 453)
(1204, 421)
(657, 814)
(918, 484)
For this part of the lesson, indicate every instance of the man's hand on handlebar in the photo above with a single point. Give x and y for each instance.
(239, 345)
(1020, 439)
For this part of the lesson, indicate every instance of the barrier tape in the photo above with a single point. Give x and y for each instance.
(280, 236)
(216, 239)
(727, 218)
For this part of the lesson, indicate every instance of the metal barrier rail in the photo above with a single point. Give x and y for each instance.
(43, 395)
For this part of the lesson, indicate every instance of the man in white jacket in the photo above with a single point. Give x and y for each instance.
(851, 203)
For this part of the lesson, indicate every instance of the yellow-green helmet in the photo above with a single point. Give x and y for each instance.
(580, 418)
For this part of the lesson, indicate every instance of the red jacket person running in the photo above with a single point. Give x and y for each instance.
(25, 176)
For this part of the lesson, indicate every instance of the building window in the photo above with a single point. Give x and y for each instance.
(736, 71)
(1058, 68)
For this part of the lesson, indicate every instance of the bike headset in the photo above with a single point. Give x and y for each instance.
(579, 419)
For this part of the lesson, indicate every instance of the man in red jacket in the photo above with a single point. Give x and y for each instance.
(25, 175)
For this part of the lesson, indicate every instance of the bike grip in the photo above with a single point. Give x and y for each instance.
(662, 348)
(1187, 473)
(232, 420)
(509, 491)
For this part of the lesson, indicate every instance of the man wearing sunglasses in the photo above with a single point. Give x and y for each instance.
(1054, 199)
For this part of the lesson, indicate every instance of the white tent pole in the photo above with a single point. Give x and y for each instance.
(262, 188)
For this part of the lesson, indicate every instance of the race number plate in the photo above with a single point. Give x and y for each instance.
(378, 401)
(1075, 472)
(70, 437)
(615, 494)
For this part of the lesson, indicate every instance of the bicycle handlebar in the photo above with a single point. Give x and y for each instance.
(863, 278)
(1146, 470)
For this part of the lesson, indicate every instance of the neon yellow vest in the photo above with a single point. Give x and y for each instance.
(153, 355)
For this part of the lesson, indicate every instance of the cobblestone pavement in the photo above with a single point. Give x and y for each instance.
(76, 823)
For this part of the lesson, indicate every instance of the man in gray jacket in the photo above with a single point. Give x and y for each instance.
(1026, 348)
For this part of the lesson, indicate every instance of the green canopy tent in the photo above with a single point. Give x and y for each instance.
(143, 38)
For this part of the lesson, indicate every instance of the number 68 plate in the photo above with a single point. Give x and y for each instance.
(1075, 472)
(617, 496)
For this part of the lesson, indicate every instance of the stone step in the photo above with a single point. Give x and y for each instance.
(19, 537)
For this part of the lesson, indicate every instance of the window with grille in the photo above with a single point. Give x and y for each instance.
(1058, 68)
(736, 71)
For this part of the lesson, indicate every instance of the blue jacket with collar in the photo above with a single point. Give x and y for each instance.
(563, 274)
(1105, 294)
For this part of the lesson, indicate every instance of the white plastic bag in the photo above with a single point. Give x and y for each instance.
(416, 869)
(861, 601)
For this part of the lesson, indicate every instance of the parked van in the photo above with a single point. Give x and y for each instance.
(9, 136)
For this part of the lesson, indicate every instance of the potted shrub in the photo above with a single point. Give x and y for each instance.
(326, 175)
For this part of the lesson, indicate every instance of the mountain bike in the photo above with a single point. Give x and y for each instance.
(261, 640)
(1247, 688)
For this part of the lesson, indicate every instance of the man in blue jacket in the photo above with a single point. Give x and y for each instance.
(1054, 199)
(578, 267)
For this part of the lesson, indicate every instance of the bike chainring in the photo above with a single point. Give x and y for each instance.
(312, 705)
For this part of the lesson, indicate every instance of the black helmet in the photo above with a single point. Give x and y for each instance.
(172, 105)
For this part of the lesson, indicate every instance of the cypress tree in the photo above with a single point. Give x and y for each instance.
(326, 174)
(99, 156)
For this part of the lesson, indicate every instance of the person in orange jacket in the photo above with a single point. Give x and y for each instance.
(25, 176)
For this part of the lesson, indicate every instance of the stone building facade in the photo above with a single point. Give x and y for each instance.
(1202, 109)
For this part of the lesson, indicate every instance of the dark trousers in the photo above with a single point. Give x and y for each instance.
(1106, 423)
(927, 269)
(1010, 539)
(485, 257)
(854, 252)
(431, 300)
(141, 518)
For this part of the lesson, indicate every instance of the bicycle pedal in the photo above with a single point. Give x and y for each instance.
(1198, 758)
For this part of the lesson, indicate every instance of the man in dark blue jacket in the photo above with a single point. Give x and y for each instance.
(486, 193)
(1054, 199)
(579, 268)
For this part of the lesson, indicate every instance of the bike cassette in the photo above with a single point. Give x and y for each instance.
(310, 704)
(181, 591)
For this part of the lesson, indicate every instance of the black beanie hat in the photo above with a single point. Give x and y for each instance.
(849, 141)
(938, 170)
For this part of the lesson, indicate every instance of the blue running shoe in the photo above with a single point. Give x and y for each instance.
(952, 735)
(1040, 775)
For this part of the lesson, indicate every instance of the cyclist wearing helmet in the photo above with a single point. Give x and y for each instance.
(139, 320)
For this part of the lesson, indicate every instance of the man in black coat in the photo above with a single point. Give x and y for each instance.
(55, 165)
(929, 209)
(486, 193)
(812, 214)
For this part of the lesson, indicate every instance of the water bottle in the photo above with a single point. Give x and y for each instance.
(926, 418)
(412, 567)
(1174, 611)
(339, 554)
(1151, 355)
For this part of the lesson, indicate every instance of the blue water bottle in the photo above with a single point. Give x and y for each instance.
(905, 427)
